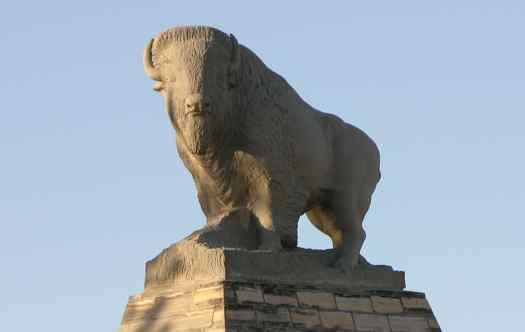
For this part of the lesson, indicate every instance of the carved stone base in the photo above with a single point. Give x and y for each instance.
(191, 287)
(179, 265)
(208, 255)
(237, 306)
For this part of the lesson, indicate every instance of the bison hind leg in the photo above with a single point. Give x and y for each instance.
(342, 220)
(324, 220)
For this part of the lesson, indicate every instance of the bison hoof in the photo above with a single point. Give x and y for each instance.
(270, 241)
(346, 265)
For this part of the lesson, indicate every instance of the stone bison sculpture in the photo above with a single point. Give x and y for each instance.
(250, 142)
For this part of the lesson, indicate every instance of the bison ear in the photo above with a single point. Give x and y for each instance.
(235, 63)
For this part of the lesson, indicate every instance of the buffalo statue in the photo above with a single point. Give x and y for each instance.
(250, 142)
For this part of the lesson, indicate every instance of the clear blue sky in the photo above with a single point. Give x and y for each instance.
(91, 185)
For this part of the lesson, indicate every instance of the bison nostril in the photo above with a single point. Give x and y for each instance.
(196, 103)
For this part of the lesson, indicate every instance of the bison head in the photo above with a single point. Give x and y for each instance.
(196, 69)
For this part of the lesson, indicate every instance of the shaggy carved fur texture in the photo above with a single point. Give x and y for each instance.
(250, 141)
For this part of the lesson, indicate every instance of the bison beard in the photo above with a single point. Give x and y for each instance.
(197, 133)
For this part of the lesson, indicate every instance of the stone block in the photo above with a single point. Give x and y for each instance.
(371, 322)
(281, 315)
(246, 315)
(280, 300)
(337, 319)
(158, 307)
(386, 305)
(356, 304)
(168, 306)
(317, 299)
(248, 294)
(290, 308)
(140, 300)
(408, 324)
(307, 317)
(229, 295)
(415, 303)
(246, 299)
(211, 295)
(433, 324)
(195, 321)
(137, 312)
(218, 316)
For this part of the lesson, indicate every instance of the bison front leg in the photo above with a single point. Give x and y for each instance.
(269, 238)
(277, 216)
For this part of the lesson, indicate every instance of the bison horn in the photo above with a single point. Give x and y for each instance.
(235, 61)
(152, 72)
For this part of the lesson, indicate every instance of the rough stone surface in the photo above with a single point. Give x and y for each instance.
(408, 324)
(190, 261)
(433, 324)
(317, 299)
(371, 322)
(208, 295)
(279, 315)
(305, 317)
(337, 319)
(415, 303)
(251, 143)
(386, 305)
(248, 315)
(358, 304)
(280, 300)
(194, 320)
(248, 294)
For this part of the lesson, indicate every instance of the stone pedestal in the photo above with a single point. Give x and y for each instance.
(242, 290)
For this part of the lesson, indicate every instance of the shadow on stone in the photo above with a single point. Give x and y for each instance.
(234, 229)
(149, 323)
